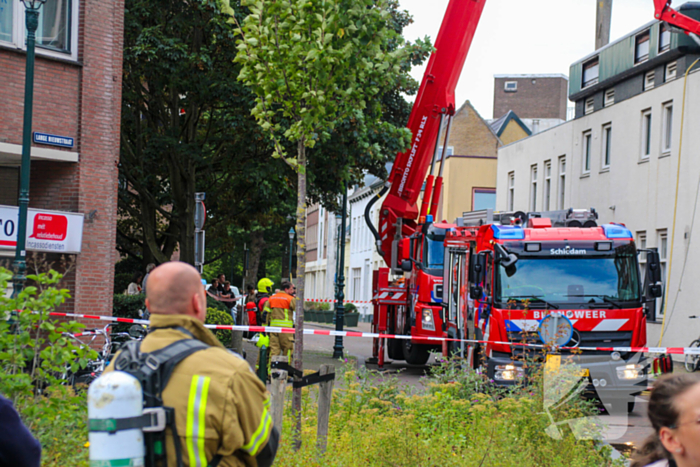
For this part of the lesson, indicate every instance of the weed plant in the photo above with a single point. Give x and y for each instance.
(459, 419)
(34, 355)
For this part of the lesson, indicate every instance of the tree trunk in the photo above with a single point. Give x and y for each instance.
(257, 244)
(301, 269)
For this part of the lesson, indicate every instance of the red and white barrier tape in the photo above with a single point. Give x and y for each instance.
(314, 300)
(328, 300)
(324, 332)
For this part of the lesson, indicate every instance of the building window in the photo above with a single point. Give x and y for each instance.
(533, 188)
(511, 191)
(590, 73)
(667, 128)
(483, 198)
(607, 146)
(7, 8)
(646, 134)
(649, 80)
(57, 31)
(609, 98)
(662, 245)
(589, 106)
(547, 185)
(664, 38)
(510, 86)
(586, 156)
(356, 283)
(562, 182)
(641, 48)
(670, 71)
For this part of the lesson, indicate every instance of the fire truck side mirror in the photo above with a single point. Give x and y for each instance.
(477, 267)
(406, 265)
(653, 274)
(504, 258)
(404, 250)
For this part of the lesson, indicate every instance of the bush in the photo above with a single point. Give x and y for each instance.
(33, 356)
(377, 421)
(316, 306)
(214, 303)
(128, 306)
(350, 308)
(121, 282)
(216, 316)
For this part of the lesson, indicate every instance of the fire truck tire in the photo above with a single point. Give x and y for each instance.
(393, 348)
(415, 354)
(622, 406)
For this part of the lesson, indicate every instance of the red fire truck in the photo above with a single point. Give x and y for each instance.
(505, 272)
(493, 260)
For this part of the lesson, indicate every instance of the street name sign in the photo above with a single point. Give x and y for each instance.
(53, 140)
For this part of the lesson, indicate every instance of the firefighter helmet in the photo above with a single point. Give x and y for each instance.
(265, 285)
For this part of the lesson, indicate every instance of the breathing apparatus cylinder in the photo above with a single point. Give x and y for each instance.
(113, 396)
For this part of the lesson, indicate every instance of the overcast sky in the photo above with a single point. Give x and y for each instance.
(524, 36)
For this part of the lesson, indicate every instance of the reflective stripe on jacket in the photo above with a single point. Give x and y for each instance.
(280, 309)
(221, 407)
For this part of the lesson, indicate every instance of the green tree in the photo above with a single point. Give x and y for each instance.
(187, 127)
(314, 65)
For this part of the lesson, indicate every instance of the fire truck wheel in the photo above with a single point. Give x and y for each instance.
(415, 354)
(393, 348)
(622, 406)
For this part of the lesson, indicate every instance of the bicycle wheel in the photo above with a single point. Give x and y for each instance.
(691, 361)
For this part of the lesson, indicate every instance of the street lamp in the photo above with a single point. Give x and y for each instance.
(291, 249)
(32, 22)
(340, 283)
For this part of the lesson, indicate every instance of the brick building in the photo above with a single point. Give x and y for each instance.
(540, 96)
(77, 94)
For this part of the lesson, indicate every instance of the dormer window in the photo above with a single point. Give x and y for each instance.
(590, 73)
(511, 86)
(664, 38)
(641, 47)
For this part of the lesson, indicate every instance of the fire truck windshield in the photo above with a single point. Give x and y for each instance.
(593, 280)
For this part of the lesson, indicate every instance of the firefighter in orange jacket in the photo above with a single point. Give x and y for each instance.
(280, 313)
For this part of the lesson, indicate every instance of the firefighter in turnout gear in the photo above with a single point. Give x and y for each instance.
(221, 408)
(280, 313)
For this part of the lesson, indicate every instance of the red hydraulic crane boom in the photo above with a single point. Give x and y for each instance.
(434, 104)
(664, 12)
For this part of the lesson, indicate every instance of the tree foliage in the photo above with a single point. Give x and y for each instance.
(186, 127)
(316, 66)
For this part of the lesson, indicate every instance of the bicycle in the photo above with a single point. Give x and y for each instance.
(94, 368)
(692, 362)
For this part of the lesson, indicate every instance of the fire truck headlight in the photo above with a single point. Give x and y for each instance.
(427, 321)
(631, 371)
(508, 372)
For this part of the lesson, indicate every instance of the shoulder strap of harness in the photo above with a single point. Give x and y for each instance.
(153, 370)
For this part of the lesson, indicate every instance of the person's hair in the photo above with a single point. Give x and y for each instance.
(285, 284)
(150, 267)
(249, 288)
(137, 275)
(227, 283)
(221, 274)
(662, 412)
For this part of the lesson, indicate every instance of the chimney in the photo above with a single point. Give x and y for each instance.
(602, 23)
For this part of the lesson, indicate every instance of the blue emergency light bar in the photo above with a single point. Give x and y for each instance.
(508, 232)
(616, 231)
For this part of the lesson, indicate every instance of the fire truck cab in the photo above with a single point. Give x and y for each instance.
(505, 272)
